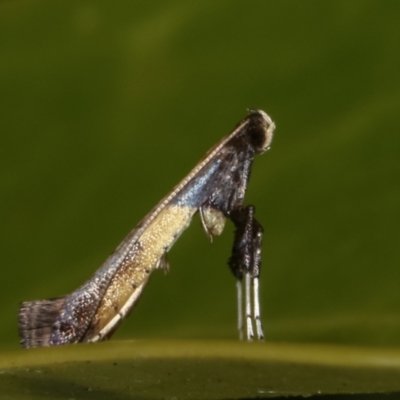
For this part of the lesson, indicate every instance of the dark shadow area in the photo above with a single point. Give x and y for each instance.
(359, 396)
(197, 378)
(356, 396)
(47, 387)
(44, 387)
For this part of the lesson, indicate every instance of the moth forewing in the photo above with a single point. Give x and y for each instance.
(215, 188)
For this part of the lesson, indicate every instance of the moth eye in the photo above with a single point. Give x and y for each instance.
(257, 137)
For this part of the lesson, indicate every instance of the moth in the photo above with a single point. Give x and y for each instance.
(215, 188)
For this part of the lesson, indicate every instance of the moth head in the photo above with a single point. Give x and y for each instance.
(260, 131)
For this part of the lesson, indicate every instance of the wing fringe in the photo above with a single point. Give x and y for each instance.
(36, 319)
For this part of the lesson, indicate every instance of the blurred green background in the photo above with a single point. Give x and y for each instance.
(105, 106)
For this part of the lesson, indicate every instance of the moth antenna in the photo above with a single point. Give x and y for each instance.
(36, 319)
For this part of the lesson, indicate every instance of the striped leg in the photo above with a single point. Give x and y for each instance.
(245, 262)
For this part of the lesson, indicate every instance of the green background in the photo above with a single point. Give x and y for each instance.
(105, 106)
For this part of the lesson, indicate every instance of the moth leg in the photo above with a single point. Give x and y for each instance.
(213, 220)
(257, 246)
(245, 262)
(240, 307)
(247, 293)
(163, 263)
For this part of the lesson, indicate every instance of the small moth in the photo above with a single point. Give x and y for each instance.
(215, 188)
